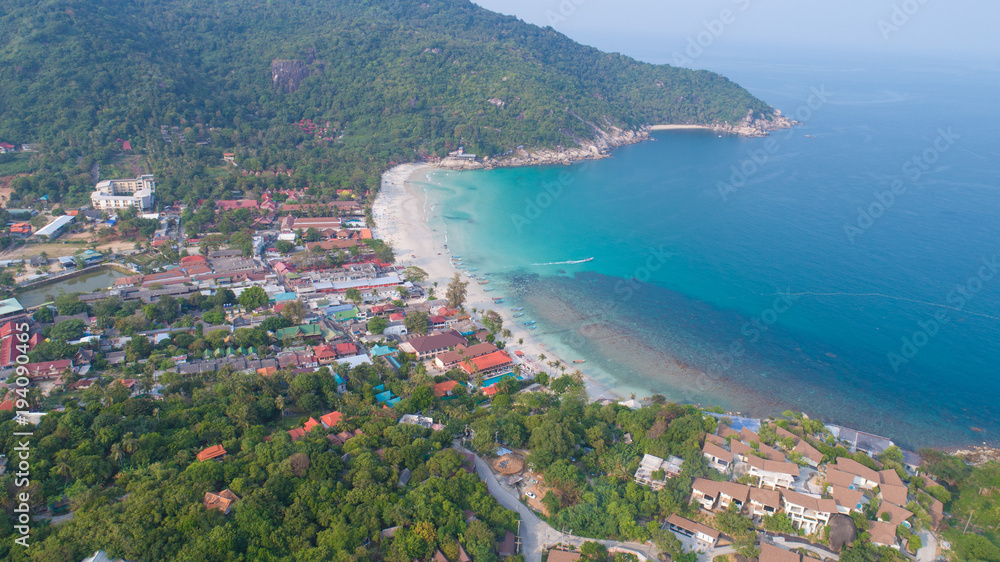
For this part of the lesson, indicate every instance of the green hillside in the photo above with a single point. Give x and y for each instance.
(393, 80)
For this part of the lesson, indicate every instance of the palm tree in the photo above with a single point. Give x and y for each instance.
(280, 403)
(129, 443)
(507, 333)
(541, 357)
(62, 469)
(117, 454)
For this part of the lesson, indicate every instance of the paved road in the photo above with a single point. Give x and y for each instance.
(788, 545)
(536, 534)
(927, 552)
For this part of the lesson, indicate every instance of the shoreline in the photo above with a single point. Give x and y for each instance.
(402, 217)
(680, 128)
(605, 141)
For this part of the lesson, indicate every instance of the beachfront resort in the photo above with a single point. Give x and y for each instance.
(322, 302)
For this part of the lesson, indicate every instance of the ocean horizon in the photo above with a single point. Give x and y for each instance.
(846, 267)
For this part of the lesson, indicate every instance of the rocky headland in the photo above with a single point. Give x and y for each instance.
(605, 139)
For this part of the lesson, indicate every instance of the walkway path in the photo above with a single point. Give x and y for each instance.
(536, 534)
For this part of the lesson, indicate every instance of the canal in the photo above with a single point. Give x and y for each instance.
(86, 283)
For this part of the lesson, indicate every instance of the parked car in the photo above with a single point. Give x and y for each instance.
(530, 495)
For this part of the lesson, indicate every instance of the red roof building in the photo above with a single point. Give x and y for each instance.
(445, 388)
(297, 433)
(311, 424)
(325, 354)
(332, 419)
(233, 204)
(346, 349)
(48, 369)
(213, 452)
(223, 501)
(489, 363)
(11, 346)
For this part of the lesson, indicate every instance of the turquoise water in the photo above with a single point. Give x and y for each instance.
(844, 268)
(493, 380)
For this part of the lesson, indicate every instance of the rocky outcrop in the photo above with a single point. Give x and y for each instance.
(286, 75)
(603, 140)
(599, 146)
(755, 127)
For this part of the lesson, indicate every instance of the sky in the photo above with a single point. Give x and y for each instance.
(670, 30)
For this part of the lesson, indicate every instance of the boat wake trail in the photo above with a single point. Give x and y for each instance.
(570, 262)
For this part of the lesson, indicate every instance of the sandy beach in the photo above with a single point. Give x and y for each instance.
(401, 217)
(677, 127)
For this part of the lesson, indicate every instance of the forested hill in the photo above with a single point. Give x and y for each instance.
(391, 78)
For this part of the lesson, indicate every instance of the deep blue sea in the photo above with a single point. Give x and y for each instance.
(847, 268)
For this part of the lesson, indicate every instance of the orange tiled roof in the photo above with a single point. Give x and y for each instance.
(331, 419)
(215, 451)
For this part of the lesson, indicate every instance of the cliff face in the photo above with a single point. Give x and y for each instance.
(286, 75)
(589, 149)
(606, 138)
(756, 127)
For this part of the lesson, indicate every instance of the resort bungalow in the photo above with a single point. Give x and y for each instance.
(811, 455)
(864, 477)
(883, 534)
(848, 500)
(764, 502)
(773, 474)
(893, 513)
(646, 474)
(702, 533)
(771, 553)
(714, 495)
(808, 513)
(741, 451)
(718, 458)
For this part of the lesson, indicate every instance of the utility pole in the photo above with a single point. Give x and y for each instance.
(968, 521)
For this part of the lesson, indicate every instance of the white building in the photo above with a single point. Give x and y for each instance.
(118, 194)
(808, 513)
(773, 474)
(651, 464)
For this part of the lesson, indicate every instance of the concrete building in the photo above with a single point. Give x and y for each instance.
(651, 464)
(808, 513)
(119, 194)
(52, 230)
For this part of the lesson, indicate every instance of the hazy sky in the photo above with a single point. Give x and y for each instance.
(666, 29)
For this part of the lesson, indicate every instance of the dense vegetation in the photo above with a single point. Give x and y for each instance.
(126, 467)
(382, 81)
